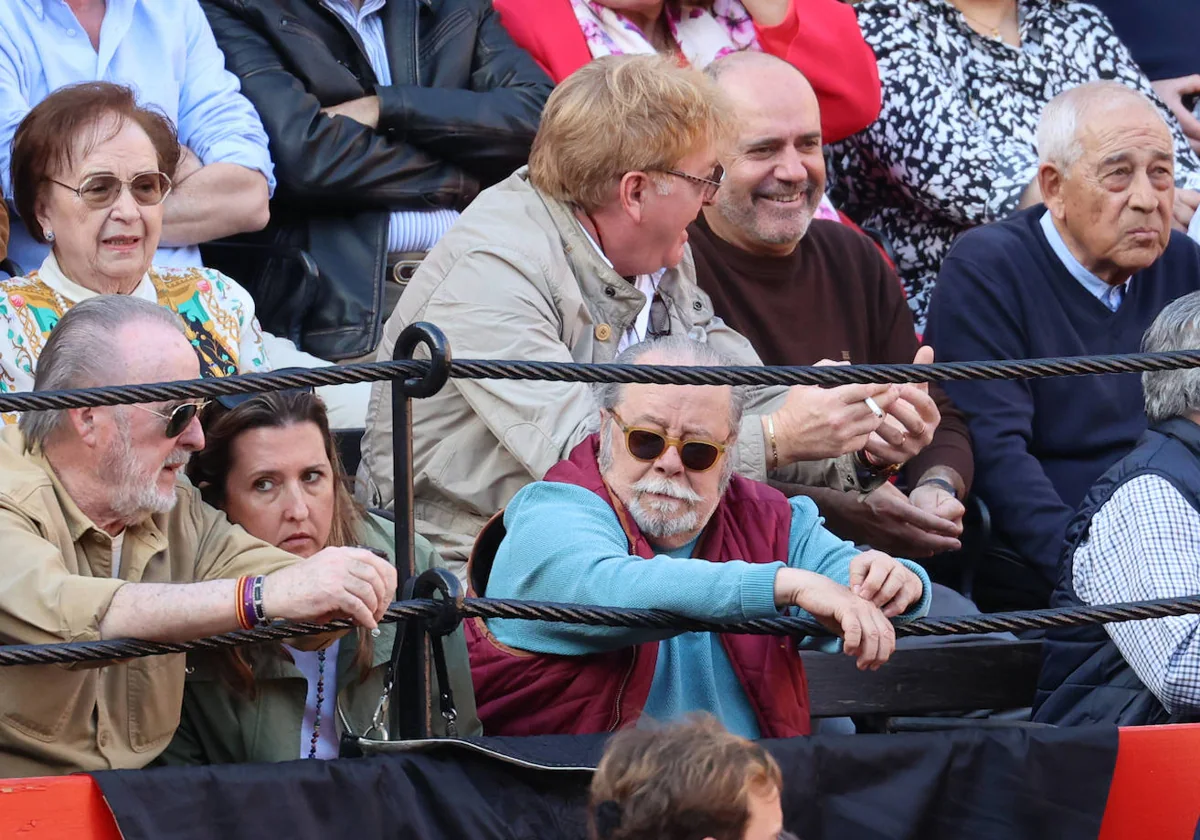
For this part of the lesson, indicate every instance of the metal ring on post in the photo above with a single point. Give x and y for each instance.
(442, 582)
(408, 702)
(422, 332)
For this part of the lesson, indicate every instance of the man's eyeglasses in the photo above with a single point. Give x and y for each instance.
(100, 191)
(179, 419)
(710, 184)
(648, 445)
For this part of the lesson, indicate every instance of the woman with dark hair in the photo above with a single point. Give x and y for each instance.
(270, 462)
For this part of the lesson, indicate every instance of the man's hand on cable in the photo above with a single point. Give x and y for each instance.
(885, 582)
(334, 583)
(909, 423)
(866, 633)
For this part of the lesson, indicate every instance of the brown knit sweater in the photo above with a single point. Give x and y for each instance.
(834, 297)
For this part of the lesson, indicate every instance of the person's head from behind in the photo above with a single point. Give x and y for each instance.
(774, 167)
(667, 450)
(90, 172)
(631, 142)
(127, 455)
(690, 781)
(1173, 393)
(271, 463)
(1107, 174)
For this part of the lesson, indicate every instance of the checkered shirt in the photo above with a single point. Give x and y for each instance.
(1145, 543)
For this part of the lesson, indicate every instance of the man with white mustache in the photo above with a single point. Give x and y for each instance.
(650, 514)
(103, 539)
(804, 290)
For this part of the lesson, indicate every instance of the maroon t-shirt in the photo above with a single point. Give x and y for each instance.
(834, 297)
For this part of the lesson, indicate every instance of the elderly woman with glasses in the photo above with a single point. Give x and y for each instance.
(91, 170)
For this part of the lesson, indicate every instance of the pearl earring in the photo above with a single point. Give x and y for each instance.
(49, 236)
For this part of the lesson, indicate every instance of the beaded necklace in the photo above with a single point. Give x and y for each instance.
(316, 736)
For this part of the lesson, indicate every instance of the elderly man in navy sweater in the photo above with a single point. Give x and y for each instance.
(1085, 273)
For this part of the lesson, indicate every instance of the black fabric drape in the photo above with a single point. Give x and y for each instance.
(979, 784)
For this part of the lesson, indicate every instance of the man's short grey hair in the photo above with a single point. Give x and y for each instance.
(675, 350)
(1065, 115)
(1173, 393)
(82, 352)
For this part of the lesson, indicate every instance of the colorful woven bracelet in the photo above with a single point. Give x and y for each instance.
(246, 602)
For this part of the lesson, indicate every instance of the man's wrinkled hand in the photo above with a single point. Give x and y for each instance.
(892, 522)
(334, 583)
(1186, 202)
(866, 633)
(885, 582)
(910, 423)
(816, 422)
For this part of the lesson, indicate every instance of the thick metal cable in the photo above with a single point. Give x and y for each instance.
(416, 371)
(603, 616)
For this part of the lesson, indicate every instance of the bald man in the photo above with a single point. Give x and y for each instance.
(804, 289)
(1084, 273)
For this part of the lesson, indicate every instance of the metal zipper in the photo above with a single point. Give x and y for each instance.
(621, 693)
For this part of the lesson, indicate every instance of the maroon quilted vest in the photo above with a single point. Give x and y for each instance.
(523, 693)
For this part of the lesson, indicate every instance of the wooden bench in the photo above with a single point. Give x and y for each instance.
(959, 677)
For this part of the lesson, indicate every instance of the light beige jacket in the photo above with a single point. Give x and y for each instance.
(516, 278)
(56, 584)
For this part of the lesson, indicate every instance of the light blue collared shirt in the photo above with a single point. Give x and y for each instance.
(409, 230)
(1110, 296)
(163, 49)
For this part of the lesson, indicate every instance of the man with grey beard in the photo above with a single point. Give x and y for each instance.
(649, 513)
(103, 538)
(805, 289)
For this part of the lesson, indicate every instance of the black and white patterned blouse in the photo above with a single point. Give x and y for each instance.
(954, 145)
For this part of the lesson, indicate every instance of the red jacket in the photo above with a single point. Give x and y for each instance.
(523, 693)
(820, 37)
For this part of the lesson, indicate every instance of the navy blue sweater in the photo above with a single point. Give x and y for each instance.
(1041, 443)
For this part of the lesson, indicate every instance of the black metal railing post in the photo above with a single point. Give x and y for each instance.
(408, 706)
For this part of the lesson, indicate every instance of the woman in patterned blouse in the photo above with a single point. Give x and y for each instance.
(964, 83)
(90, 172)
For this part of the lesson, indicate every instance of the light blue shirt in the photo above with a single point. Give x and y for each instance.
(1110, 296)
(565, 544)
(409, 230)
(163, 49)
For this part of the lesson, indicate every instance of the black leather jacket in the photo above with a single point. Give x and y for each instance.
(460, 115)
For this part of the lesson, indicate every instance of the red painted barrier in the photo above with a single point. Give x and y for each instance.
(1155, 794)
(1155, 789)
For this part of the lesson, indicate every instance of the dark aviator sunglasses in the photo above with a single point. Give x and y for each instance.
(648, 445)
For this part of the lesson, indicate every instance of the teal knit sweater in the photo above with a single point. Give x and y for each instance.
(565, 544)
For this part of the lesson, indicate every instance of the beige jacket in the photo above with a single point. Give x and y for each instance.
(56, 584)
(516, 278)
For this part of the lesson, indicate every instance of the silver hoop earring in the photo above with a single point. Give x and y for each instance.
(49, 236)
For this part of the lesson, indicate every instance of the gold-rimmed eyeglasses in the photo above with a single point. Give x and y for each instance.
(102, 190)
